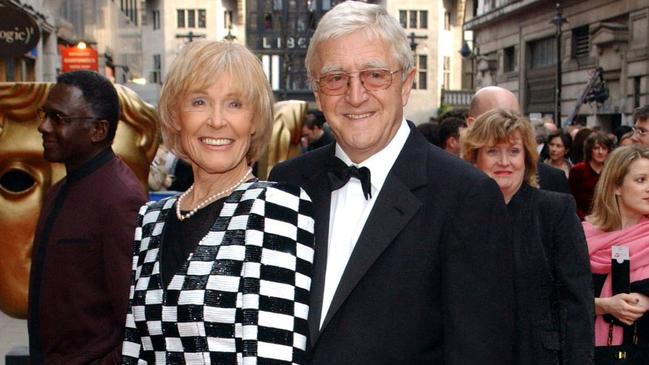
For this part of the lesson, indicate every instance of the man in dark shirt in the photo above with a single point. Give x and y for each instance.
(449, 134)
(81, 261)
(314, 130)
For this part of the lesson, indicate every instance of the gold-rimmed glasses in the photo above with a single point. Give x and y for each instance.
(337, 83)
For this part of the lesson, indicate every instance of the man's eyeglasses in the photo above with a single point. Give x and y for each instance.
(640, 131)
(57, 118)
(337, 83)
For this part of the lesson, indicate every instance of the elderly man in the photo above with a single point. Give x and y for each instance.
(81, 261)
(492, 97)
(413, 258)
(641, 126)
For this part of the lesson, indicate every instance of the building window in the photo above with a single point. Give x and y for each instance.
(423, 19)
(188, 18)
(422, 67)
(580, 42)
(413, 19)
(636, 91)
(191, 18)
(509, 59)
(181, 18)
(155, 73)
(156, 19)
(421, 79)
(543, 53)
(447, 73)
(447, 20)
(202, 14)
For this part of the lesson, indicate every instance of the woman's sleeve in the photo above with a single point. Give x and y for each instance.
(574, 286)
(277, 276)
(132, 342)
(576, 181)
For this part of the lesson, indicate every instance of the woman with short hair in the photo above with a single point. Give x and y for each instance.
(552, 281)
(221, 272)
(584, 175)
(559, 144)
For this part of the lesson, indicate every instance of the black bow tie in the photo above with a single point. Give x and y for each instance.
(340, 174)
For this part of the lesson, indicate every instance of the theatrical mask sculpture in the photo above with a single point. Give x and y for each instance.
(285, 138)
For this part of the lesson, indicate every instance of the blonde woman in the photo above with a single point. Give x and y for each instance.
(620, 217)
(221, 273)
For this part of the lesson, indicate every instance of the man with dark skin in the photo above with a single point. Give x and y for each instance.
(83, 242)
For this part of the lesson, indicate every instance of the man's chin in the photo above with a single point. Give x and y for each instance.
(51, 157)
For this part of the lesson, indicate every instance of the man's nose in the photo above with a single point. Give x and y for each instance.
(45, 125)
(356, 91)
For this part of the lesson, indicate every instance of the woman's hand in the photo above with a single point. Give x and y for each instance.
(627, 308)
(642, 300)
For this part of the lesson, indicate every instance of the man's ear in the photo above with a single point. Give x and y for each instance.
(452, 142)
(99, 130)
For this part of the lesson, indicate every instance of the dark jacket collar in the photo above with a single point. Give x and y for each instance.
(89, 167)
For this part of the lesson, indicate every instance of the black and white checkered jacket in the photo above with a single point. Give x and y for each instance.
(240, 298)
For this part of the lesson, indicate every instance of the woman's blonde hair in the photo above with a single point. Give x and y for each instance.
(498, 126)
(606, 211)
(197, 67)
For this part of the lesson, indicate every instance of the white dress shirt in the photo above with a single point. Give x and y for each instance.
(349, 210)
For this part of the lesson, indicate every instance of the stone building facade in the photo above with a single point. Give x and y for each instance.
(515, 46)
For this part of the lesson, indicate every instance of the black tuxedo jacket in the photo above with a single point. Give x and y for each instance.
(430, 278)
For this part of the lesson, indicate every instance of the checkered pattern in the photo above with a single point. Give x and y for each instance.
(242, 295)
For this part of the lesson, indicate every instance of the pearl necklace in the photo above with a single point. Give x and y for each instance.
(208, 200)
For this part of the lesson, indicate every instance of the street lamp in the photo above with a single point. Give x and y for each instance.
(230, 37)
(413, 40)
(558, 20)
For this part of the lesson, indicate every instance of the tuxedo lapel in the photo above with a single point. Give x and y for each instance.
(396, 204)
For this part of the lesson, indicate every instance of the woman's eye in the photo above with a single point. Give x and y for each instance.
(235, 104)
(198, 102)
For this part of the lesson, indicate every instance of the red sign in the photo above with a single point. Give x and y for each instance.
(74, 59)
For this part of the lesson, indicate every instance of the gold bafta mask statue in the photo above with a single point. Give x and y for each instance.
(285, 138)
(25, 176)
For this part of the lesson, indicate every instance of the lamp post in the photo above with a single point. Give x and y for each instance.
(190, 36)
(558, 20)
(413, 40)
(230, 37)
